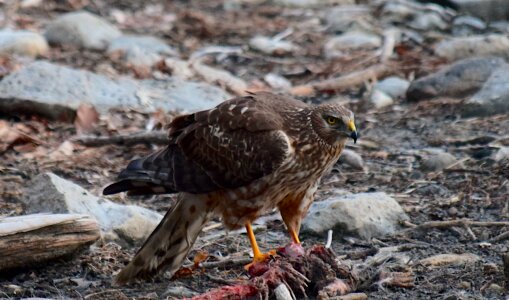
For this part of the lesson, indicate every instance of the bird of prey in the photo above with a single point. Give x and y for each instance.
(236, 161)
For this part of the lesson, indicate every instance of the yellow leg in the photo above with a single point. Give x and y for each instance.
(294, 235)
(258, 255)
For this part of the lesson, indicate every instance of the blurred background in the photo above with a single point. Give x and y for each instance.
(88, 85)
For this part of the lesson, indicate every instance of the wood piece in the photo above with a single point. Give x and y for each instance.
(505, 259)
(390, 37)
(29, 240)
(500, 237)
(454, 223)
(221, 77)
(151, 137)
(353, 79)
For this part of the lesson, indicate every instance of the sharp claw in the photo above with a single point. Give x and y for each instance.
(259, 264)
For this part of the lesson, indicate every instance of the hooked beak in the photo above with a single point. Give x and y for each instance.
(354, 135)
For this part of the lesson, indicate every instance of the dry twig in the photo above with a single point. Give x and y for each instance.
(500, 237)
(343, 82)
(227, 262)
(453, 223)
(152, 137)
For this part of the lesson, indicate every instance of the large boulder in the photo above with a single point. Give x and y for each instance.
(363, 215)
(493, 98)
(458, 80)
(56, 92)
(128, 224)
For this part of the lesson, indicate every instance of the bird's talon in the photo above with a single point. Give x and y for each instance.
(261, 258)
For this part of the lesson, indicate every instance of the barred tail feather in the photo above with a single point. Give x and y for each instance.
(143, 176)
(171, 241)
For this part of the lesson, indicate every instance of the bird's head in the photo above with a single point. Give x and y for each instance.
(334, 123)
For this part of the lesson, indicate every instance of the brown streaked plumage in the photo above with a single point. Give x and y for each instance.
(238, 160)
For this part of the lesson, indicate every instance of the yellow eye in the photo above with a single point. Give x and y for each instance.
(331, 120)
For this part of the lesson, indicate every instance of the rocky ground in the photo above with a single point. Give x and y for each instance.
(425, 191)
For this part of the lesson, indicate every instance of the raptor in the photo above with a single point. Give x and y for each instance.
(236, 161)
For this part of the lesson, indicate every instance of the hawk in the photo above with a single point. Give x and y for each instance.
(236, 161)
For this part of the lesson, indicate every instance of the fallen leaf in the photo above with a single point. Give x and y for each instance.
(10, 137)
(199, 257)
(86, 118)
(64, 150)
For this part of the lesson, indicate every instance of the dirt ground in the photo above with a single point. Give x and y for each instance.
(390, 143)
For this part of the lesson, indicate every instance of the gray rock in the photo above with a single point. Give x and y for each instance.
(468, 25)
(364, 215)
(437, 161)
(472, 46)
(337, 46)
(489, 10)
(345, 18)
(352, 159)
(458, 80)
(56, 92)
(502, 155)
(81, 29)
(500, 26)
(397, 12)
(277, 82)
(428, 21)
(493, 98)
(141, 50)
(272, 46)
(49, 193)
(22, 42)
(311, 3)
(393, 86)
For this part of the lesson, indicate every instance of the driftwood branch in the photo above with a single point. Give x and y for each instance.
(151, 137)
(29, 240)
(453, 223)
(343, 82)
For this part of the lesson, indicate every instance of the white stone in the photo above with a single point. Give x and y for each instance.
(393, 86)
(81, 29)
(380, 99)
(428, 21)
(345, 18)
(364, 215)
(312, 3)
(277, 82)
(141, 50)
(272, 46)
(502, 155)
(337, 46)
(22, 42)
(49, 193)
(353, 159)
(437, 161)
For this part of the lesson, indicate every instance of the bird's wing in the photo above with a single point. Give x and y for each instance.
(229, 146)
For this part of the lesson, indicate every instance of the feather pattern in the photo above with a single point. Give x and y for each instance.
(206, 149)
